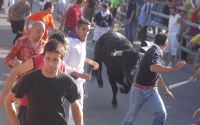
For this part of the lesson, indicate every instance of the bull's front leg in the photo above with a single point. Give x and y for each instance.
(114, 90)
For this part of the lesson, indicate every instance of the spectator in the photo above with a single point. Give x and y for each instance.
(195, 46)
(167, 12)
(42, 3)
(173, 35)
(90, 9)
(8, 4)
(130, 21)
(17, 15)
(61, 6)
(102, 21)
(195, 19)
(71, 17)
(114, 6)
(27, 46)
(144, 21)
(45, 16)
(1, 3)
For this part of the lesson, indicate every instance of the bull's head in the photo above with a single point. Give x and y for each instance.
(129, 60)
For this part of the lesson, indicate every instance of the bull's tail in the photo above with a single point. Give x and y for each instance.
(98, 59)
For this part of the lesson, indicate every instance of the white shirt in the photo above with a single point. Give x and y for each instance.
(174, 26)
(75, 56)
(62, 1)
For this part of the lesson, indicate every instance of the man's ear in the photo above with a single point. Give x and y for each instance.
(76, 28)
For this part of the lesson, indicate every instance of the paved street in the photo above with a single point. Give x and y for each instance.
(98, 109)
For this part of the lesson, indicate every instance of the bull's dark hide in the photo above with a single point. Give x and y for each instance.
(120, 58)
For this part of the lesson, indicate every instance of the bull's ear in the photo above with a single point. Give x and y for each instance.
(117, 53)
(141, 55)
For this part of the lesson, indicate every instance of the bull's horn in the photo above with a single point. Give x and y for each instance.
(117, 53)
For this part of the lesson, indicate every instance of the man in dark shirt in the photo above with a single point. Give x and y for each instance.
(46, 91)
(130, 22)
(17, 15)
(147, 79)
(89, 10)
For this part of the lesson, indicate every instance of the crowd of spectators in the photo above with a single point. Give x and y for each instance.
(154, 15)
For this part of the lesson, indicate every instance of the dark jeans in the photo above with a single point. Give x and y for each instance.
(89, 13)
(143, 35)
(17, 26)
(22, 114)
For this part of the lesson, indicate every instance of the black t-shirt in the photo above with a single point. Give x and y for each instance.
(131, 7)
(103, 21)
(46, 97)
(145, 77)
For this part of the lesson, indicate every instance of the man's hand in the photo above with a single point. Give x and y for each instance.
(169, 94)
(192, 78)
(13, 63)
(95, 65)
(85, 76)
(195, 112)
(179, 65)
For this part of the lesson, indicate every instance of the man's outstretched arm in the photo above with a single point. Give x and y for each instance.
(9, 99)
(13, 76)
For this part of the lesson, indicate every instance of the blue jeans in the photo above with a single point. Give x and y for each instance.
(138, 98)
(130, 30)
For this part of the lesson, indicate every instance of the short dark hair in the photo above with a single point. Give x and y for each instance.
(105, 5)
(55, 46)
(79, 2)
(160, 39)
(83, 21)
(47, 5)
(60, 36)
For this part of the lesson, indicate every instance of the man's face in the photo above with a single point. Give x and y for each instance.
(51, 9)
(172, 11)
(38, 32)
(83, 31)
(52, 62)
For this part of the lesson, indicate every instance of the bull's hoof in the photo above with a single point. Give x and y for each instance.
(100, 85)
(114, 104)
(123, 90)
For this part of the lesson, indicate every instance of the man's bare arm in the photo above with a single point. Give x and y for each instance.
(10, 98)
(164, 69)
(92, 63)
(164, 88)
(77, 113)
(12, 78)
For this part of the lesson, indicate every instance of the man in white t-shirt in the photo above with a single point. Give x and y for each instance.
(76, 57)
(173, 35)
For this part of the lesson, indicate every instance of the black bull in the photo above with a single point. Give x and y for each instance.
(120, 58)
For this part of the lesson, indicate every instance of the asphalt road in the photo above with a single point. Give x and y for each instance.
(97, 106)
